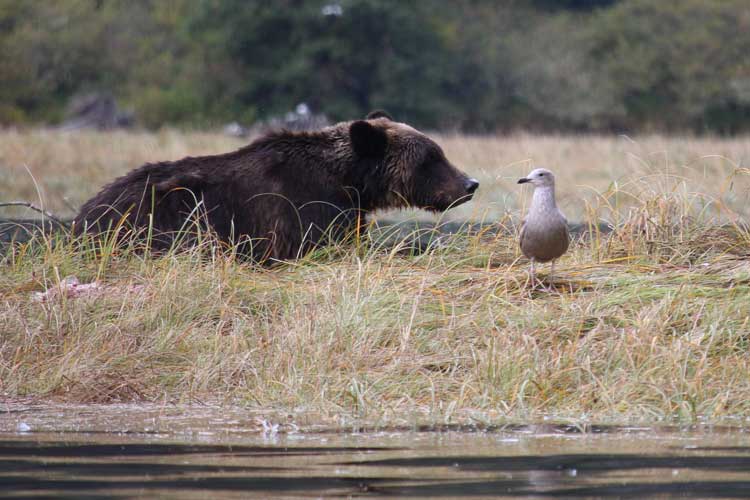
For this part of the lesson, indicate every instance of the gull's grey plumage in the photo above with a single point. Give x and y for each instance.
(544, 232)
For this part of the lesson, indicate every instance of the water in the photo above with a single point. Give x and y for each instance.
(211, 452)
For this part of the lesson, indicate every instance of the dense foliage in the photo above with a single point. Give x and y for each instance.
(474, 65)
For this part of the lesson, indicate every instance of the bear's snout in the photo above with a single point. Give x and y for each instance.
(462, 190)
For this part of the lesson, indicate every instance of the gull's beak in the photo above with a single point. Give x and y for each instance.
(524, 180)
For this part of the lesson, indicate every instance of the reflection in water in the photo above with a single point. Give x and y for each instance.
(30, 466)
(512, 461)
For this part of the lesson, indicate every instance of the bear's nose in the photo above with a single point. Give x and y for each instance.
(472, 185)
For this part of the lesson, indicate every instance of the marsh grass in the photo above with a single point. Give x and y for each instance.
(648, 322)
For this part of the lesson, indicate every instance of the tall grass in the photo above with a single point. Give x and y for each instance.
(648, 322)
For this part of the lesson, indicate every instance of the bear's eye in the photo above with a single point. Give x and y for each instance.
(432, 158)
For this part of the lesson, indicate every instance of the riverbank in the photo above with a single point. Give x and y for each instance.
(649, 322)
(653, 333)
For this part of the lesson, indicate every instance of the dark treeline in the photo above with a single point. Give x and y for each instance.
(470, 65)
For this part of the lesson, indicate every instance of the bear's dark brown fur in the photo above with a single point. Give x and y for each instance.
(285, 192)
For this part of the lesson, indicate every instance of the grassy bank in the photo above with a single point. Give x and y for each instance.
(649, 322)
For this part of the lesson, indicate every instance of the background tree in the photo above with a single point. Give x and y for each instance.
(470, 65)
(675, 64)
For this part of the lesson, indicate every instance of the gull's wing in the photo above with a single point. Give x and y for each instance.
(522, 235)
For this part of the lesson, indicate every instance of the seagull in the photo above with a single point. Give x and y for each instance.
(544, 232)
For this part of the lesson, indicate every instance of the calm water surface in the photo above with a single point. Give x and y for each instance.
(167, 452)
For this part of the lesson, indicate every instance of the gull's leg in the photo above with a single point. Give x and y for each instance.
(533, 274)
(551, 271)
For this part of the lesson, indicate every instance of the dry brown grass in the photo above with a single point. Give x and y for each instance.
(650, 322)
(68, 168)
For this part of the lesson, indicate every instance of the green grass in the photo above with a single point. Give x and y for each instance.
(648, 323)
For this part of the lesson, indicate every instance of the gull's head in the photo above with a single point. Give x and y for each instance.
(539, 177)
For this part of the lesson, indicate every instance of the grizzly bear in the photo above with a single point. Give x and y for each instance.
(285, 193)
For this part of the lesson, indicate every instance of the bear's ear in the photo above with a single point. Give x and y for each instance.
(368, 141)
(378, 113)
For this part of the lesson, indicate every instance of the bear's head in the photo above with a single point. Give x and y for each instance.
(408, 168)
